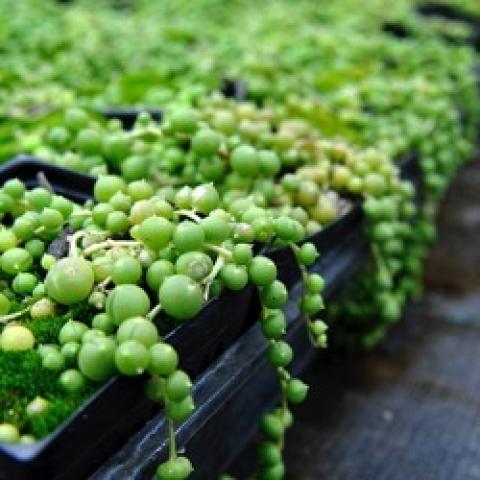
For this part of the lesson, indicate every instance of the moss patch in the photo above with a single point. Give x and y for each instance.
(22, 378)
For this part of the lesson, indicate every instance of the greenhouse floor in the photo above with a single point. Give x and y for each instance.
(409, 410)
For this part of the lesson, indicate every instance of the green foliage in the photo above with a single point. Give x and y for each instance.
(330, 108)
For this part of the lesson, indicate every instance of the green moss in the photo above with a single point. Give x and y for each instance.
(45, 330)
(22, 378)
(58, 411)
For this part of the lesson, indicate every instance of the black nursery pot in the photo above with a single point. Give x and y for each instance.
(410, 170)
(231, 88)
(233, 393)
(120, 407)
(397, 30)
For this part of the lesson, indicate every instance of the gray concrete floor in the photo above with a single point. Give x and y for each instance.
(409, 410)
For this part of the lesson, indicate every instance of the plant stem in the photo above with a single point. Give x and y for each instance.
(172, 447)
(73, 239)
(103, 285)
(154, 312)
(306, 318)
(220, 250)
(284, 407)
(81, 213)
(109, 244)
(13, 316)
(146, 131)
(219, 263)
(189, 214)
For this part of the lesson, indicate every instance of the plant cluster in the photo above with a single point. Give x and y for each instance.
(188, 207)
(131, 257)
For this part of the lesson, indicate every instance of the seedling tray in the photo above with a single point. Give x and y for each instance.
(119, 407)
(231, 88)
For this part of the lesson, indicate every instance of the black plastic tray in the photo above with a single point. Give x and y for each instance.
(397, 30)
(119, 407)
(229, 87)
(128, 116)
(234, 88)
(34, 172)
(410, 168)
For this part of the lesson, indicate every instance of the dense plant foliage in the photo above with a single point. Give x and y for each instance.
(335, 95)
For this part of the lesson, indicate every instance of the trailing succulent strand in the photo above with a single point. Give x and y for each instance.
(279, 354)
(401, 231)
(311, 301)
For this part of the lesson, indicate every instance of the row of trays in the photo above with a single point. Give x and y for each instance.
(449, 12)
(441, 11)
(222, 348)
